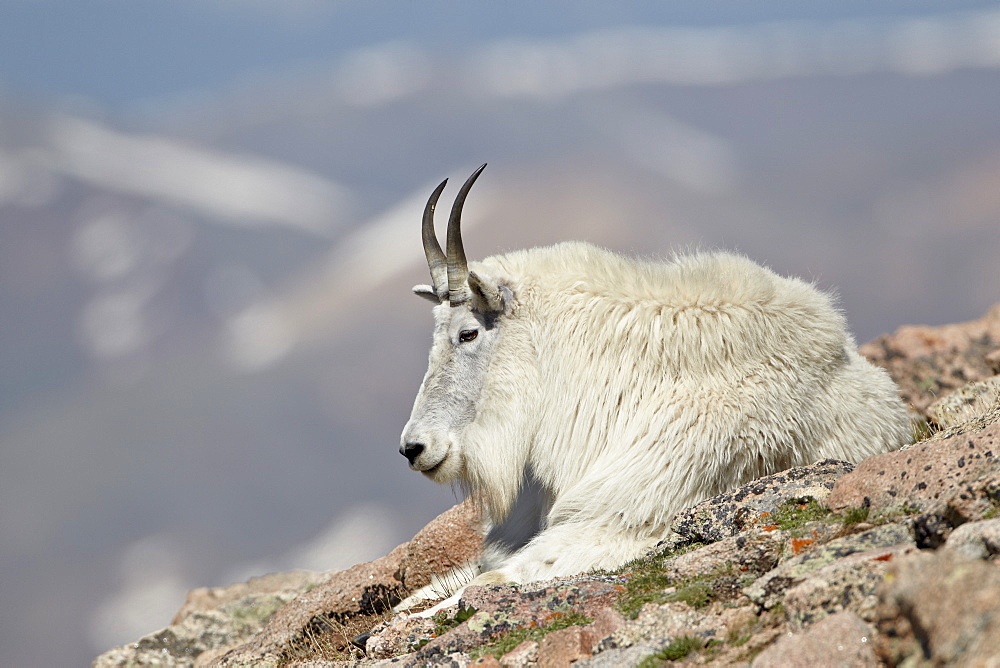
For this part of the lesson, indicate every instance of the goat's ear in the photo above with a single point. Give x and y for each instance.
(487, 296)
(427, 292)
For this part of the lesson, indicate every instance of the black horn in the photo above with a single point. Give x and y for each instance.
(436, 260)
(458, 266)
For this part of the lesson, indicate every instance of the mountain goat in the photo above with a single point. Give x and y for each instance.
(610, 393)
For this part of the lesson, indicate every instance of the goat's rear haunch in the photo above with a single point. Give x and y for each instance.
(585, 397)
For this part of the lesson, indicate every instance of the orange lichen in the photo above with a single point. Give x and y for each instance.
(799, 543)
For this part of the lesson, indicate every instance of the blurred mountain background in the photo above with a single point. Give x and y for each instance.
(209, 219)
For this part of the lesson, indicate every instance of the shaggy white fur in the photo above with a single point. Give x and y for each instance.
(618, 392)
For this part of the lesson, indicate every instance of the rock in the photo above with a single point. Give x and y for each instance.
(655, 628)
(666, 622)
(993, 359)
(849, 583)
(627, 657)
(734, 512)
(658, 626)
(966, 403)
(754, 552)
(606, 622)
(450, 540)
(539, 601)
(400, 635)
(842, 639)
(940, 609)
(952, 479)
(927, 362)
(769, 589)
(199, 632)
(561, 648)
(502, 608)
(974, 424)
(204, 599)
(976, 540)
(498, 609)
(525, 654)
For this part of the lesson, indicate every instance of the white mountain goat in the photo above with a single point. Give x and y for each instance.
(610, 393)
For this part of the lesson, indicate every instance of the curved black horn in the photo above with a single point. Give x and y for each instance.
(436, 261)
(458, 266)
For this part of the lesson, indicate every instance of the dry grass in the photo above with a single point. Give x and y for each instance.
(328, 637)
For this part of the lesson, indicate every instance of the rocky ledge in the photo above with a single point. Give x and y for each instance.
(894, 561)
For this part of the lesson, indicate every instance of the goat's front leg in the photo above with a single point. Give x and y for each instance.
(487, 578)
(562, 550)
(573, 548)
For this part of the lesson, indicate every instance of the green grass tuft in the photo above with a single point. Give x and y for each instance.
(856, 515)
(675, 651)
(446, 623)
(698, 594)
(645, 585)
(508, 641)
(795, 513)
(994, 510)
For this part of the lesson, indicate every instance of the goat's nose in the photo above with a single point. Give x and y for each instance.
(411, 451)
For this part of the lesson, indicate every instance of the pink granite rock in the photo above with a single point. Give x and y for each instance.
(751, 553)
(966, 403)
(561, 648)
(928, 362)
(454, 538)
(400, 635)
(770, 589)
(451, 539)
(941, 609)
(662, 623)
(843, 639)
(954, 476)
(849, 583)
(522, 656)
(976, 540)
(731, 513)
(204, 599)
(502, 608)
(606, 622)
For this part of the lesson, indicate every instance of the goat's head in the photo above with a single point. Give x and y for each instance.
(466, 332)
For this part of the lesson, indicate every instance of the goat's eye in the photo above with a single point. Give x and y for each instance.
(467, 335)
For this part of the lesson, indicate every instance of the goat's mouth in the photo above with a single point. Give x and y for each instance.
(440, 471)
(431, 470)
(423, 457)
(436, 460)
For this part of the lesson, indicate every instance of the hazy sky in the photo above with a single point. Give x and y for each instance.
(119, 53)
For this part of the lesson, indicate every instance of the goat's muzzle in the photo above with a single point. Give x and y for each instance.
(411, 451)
